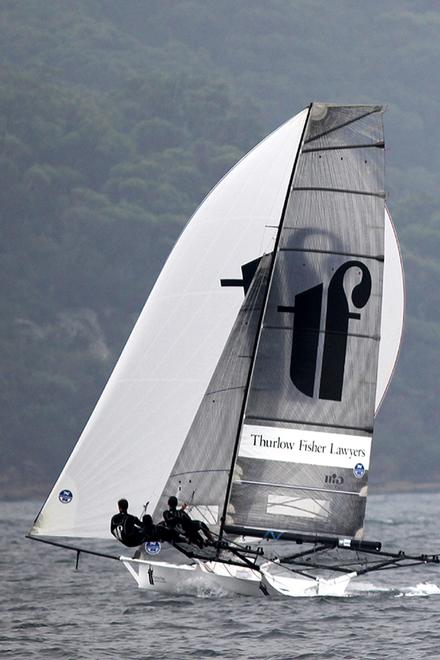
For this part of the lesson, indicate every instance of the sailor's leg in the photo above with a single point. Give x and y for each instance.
(205, 529)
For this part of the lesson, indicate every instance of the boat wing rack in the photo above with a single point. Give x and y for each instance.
(367, 558)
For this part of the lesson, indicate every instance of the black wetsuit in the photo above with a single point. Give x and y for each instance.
(158, 532)
(127, 529)
(180, 521)
(130, 531)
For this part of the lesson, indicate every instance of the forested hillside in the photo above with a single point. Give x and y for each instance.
(118, 117)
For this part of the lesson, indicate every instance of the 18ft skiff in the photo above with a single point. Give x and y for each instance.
(250, 382)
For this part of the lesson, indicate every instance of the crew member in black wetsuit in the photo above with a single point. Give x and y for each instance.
(159, 532)
(179, 521)
(130, 531)
(127, 528)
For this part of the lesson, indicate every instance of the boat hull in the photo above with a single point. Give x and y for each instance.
(201, 577)
(232, 579)
(217, 578)
(285, 583)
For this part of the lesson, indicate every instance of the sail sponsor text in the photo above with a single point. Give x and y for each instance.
(300, 446)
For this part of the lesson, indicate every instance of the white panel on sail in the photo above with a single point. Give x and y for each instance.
(393, 305)
(297, 507)
(299, 446)
(140, 422)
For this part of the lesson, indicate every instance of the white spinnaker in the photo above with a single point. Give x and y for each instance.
(133, 436)
(393, 306)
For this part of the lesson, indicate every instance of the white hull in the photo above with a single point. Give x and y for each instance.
(232, 579)
(216, 577)
(196, 578)
(282, 582)
(163, 576)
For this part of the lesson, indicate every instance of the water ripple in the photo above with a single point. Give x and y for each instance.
(48, 610)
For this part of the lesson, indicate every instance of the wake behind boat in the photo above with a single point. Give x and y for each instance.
(249, 385)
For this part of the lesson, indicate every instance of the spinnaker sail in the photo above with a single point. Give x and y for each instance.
(131, 441)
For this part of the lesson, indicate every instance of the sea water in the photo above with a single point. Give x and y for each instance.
(50, 610)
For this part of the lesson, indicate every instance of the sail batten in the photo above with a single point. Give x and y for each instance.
(296, 486)
(337, 147)
(299, 422)
(348, 334)
(382, 195)
(355, 255)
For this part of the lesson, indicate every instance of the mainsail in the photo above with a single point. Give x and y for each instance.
(304, 448)
(249, 384)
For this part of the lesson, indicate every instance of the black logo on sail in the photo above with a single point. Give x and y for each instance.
(307, 329)
(334, 479)
(248, 271)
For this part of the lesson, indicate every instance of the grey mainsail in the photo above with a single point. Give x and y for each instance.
(304, 448)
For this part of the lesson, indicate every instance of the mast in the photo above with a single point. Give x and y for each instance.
(257, 339)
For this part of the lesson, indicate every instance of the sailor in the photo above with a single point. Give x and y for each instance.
(127, 528)
(159, 532)
(130, 531)
(181, 522)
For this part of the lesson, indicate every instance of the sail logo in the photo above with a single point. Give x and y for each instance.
(300, 446)
(307, 331)
(273, 535)
(248, 271)
(65, 496)
(359, 470)
(153, 547)
(334, 479)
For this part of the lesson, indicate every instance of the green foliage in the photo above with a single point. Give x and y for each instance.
(97, 184)
(116, 118)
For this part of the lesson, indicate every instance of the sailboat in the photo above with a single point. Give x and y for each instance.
(249, 385)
